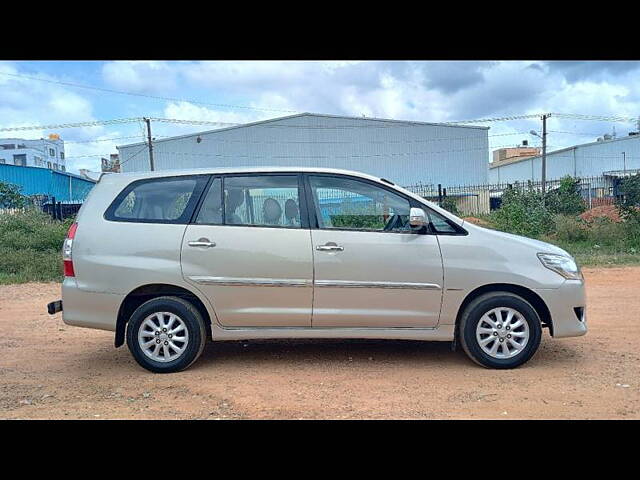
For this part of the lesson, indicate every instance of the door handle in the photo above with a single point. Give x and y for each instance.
(330, 247)
(202, 242)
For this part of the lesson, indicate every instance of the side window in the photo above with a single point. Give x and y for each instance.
(440, 223)
(163, 200)
(211, 209)
(344, 203)
(267, 200)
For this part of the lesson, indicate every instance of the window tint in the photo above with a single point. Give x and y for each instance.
(156, 200)
(211, 209)
(440, 223)
(269, 200)
(344, 203)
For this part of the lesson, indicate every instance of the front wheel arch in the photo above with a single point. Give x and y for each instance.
(529, 295)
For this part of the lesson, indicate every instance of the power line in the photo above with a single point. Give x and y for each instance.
(599, 118)
(97, 123)
(194, 122)
(498, 119)
(92, 123)
(145, 148)
(157, 97)
(383, 123)
(105, 139)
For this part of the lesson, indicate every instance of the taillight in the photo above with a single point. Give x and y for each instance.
(66, 251)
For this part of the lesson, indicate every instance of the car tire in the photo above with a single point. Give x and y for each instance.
(500, 330)
(166, 334)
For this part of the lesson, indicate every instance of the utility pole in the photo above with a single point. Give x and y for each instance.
(148, 122)
(624, 164)
(544, 151)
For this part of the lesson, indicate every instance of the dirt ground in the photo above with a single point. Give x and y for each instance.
(51, 370)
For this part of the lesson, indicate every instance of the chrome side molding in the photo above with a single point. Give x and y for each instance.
(250, 282)
(294, 282)
(393, 285)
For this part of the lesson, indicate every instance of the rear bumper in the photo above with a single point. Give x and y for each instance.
(89, 309)
(567, 305)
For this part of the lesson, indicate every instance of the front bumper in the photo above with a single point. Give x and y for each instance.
(567, 305)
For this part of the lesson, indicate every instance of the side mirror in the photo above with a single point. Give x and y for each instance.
(417, 217)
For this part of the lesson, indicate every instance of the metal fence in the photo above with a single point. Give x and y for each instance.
(482, 199)
(49, 205)
(468, 199)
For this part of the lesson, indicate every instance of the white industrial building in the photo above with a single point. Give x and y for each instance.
(44, 152)
(405, 152)
(607, 157)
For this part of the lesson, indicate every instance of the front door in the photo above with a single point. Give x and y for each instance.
(371, 268)
(250, 253)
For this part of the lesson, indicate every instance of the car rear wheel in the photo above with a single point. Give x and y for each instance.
(166, 334)
(500, 330)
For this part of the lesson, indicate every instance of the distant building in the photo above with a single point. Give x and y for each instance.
(514, 154)
(610, 157)
(112, 164)
(42, 153)
(405, 152)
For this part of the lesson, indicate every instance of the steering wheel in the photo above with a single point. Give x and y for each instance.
(394, 222)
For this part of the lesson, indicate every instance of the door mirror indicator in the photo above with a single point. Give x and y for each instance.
(417, 217)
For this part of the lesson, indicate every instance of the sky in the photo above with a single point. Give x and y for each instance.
(245, 91)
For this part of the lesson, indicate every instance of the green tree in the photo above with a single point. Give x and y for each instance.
(629, 208)
(567, 198)
(10, 196)
(449, 204)
(630, 192)
(523, 212)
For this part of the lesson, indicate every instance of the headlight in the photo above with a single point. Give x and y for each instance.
(565, 266)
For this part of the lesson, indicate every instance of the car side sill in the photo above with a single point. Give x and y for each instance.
(443, 333)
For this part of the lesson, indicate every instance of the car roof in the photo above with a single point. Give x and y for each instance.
(230, 170)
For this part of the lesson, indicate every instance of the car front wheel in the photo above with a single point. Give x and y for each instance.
(500, 330)
(166, 334)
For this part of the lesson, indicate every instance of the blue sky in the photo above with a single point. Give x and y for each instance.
(426, 91)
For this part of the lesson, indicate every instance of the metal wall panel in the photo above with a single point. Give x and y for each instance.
(406, 153)
(588, 160)
(42, 181)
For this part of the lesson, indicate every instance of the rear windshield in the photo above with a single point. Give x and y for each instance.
(162, 200)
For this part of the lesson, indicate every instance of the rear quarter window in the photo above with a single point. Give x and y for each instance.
(158, 200)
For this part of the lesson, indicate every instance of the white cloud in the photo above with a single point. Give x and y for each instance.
(25, 102)
(428, 91)
(140, 77)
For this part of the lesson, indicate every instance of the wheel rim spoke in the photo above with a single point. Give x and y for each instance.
(156, 343)
(497, 338)
(487, 340)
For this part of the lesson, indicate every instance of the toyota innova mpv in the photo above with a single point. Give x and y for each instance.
(168, 260)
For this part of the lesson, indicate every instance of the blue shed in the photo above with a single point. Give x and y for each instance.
(64, 186)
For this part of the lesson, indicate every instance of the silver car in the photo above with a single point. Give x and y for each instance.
(169, 259)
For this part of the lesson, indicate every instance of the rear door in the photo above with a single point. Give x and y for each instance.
(371, 268)
(249, 251)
